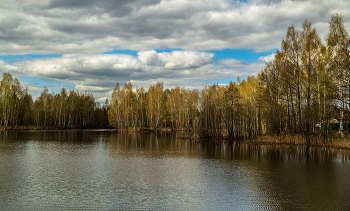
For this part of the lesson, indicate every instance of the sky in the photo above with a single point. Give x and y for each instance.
(91, 45)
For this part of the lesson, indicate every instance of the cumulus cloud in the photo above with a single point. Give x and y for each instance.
(100, 72)
(63, 26)
(267, 58)
(176, 59)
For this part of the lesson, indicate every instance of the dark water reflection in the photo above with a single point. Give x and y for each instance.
(103, 170)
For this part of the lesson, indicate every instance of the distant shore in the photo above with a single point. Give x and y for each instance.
(31, 127)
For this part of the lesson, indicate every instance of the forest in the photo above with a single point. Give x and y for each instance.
(304, 90)
(49, 111)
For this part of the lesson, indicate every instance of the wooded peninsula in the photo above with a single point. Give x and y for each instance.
(302, 97)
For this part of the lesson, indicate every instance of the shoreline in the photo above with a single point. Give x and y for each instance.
(49, 128)
(287, 140)
(331, 145)
(280, 140)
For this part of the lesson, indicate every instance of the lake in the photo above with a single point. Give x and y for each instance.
(106, 169)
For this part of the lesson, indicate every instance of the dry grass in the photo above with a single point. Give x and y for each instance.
(300, 140)
(283, 139)
(340, 144)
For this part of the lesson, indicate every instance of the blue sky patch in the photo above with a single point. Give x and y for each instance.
(134, 53)
(167, 50)
(246, 55)
(130, 52)
(42, 82)
(225, 81)
(18, 58)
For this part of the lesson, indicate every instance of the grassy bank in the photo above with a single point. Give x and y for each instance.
(334, 142)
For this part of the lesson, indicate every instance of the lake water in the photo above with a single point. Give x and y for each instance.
(104, 170)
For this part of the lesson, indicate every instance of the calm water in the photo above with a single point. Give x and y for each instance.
(103, 170)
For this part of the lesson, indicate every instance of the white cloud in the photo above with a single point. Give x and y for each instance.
(148, 57)
(9, 67)
(267, 58)
(176, 59)
(102, 99)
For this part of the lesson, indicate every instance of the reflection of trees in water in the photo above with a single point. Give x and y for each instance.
(55, 135)
(294, 177)
(302, 177)
(289, 152)
(167, 142)
(150, 144)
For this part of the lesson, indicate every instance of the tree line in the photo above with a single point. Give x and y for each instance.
(303, 90)
(67, 109)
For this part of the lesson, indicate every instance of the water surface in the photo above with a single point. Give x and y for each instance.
(104, 169)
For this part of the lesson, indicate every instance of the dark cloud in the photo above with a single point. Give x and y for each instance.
(118, 8)
(62, 26)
